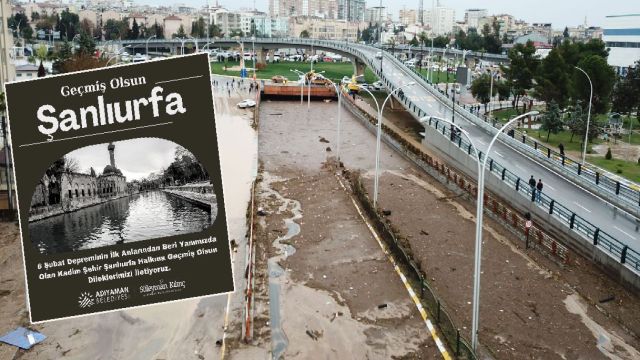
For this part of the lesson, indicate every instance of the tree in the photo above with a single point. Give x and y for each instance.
(552, 120)
(180, 34)
(135, 30)
(304, 34)
(578, 123)
(27, 33)
(480, 89)
(504, 91)
(440, 41)
(215, 31)
(35, 16)
(414, 42)
(81, 62)
(18, 22)
(87, 26)
(552, 79)
(3, 104)
(602, 76)
(157, 30)
(565, 33)
(41, 71)
(626, 92)
(519, 74)
(199, 28)
(68, 24)
(86, 44)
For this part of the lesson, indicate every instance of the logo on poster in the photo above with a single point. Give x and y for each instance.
(85, 300)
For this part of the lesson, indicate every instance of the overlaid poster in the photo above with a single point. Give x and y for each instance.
(119, 187)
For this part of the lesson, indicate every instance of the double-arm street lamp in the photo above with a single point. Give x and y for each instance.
(339, 93)
(482, 164)
(302, 77)
(379, 134)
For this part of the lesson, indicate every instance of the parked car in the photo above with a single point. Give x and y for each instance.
(378, 85)
(345, 80)
(379, 55)
(248, 103)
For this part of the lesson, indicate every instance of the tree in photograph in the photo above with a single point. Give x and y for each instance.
(552, 79)
(87, 26)
(68, 24)
(440, 41)
(86, 44)
(565, 33)
(135, 30)
(552, 120)
(626, 92)
(577, 123)
(35, 16)
(18, 22)
(215, 31)
(304, 34)
(504, 90)
(199, 28)
(414, 41)
(480, 88)
(519, 74)
(156, 30)
(602, 76)
(180, 34)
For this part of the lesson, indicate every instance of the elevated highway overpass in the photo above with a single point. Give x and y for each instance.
(595, 209)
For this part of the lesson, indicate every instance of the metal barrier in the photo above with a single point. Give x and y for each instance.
(428, 296)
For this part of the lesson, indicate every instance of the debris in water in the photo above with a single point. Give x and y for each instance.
(424, 232)
(323, 140)
(261, 212)
(219, 342)
(382, 306)
(312, 335)
(328, 149)
(386, 212)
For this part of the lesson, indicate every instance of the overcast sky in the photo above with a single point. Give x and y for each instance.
(136, 158)
(558, 12)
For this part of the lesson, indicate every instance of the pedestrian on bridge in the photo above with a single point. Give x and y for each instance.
(532, 185)
(539, 187)
(561, 147)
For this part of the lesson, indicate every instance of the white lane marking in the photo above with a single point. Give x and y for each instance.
(582, 207)
(550, 187)
(624, 232)
(497, 153)
(429, 105)
(482, 142)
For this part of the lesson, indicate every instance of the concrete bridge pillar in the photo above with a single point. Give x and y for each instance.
(358, 66)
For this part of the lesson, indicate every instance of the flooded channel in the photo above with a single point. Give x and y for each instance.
(279, 341)
(143, 216)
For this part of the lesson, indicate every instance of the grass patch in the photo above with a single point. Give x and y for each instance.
(438, 76)
(563, 137)
(627, 169)
(334, 71)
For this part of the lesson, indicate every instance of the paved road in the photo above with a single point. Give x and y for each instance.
(587, 205)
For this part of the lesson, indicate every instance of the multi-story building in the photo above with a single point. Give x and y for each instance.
(351, 10)
(440, 19)
(622, 36)
(472, 17)
(7, 68)
(376, 14)
(408, 17)
(330, 29)
(228, 21)
(316, 8)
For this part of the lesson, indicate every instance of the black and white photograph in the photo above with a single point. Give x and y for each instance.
(120, 192)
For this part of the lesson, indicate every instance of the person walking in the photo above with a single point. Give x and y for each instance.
(561, 147)
(532, 185)
(539, 187)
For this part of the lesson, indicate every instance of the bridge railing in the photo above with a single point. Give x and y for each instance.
(597, 237)
(623, 192)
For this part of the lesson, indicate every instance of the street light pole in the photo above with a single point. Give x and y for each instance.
(586, 135)
(379, 135)
(146, 46)
(301, 74)
(490, 92)
(478, 245)
(339, 93)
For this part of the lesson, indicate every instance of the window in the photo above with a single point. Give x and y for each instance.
(70, 194)
(77, 193)
(82, 192)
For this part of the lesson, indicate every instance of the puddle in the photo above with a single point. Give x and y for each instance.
(279, 341)
(609, 344)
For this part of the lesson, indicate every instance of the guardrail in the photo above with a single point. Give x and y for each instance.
(621, 192)
(599, 238)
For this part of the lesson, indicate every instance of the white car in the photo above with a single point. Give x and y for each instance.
(378, 85)
(248, 103)
(379, 55)
(345, 80)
